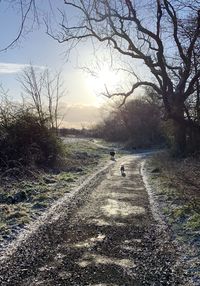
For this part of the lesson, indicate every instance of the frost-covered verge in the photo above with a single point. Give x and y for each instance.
(24, 199)
(176, 207)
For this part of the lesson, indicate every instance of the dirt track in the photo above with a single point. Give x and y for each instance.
(107, 237)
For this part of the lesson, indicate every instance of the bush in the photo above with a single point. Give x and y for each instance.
(24, 140)
(137, 123)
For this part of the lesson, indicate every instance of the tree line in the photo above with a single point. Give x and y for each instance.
(137, 124)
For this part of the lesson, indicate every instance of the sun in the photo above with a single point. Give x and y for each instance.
(107, 77)
(102, 79)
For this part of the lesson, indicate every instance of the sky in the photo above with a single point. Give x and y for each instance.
(83, 101)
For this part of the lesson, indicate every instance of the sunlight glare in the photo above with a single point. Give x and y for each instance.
(102, 79)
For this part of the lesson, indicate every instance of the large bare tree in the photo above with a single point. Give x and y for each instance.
(154, 32)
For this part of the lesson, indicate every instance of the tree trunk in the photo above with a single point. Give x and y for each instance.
(179, 139)
(193, 140)
(179, 130)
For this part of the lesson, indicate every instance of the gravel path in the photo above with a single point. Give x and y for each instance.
(104, 235)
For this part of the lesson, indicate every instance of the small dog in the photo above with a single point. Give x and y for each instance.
(112, 154)
(122, 169)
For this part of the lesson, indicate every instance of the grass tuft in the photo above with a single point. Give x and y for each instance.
(194, 222)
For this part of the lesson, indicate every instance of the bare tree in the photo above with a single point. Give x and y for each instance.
(55, 91)
(6, 108)
(33, 85)
(45, 91)
(151, 32)
(25, 8)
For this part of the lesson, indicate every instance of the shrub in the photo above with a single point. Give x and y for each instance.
(137, 123)
(25, 140)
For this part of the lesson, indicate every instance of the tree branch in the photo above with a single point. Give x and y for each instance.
(135, 86)
(24, 16)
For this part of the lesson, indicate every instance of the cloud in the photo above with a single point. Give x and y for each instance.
(81, 115)
(10, 68)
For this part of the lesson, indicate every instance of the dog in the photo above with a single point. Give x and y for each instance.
(112, 155)
(122, 169)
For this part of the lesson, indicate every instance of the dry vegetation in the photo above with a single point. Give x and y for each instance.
(177, 185)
